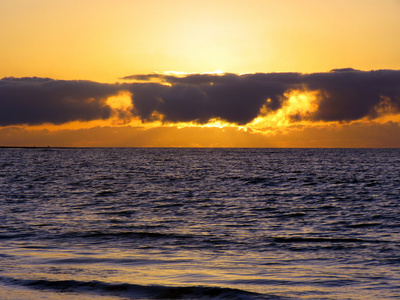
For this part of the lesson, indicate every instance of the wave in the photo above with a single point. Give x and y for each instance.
(319, 282)
(363, 225)
(189, 240)
(323, 240)
(14, 236)
(136, 291)
(125, 234)
(125, 261)
(100, 235)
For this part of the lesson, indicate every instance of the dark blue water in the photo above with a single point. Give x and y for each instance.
(199, 223)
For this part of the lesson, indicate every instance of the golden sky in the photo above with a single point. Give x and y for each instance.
(104, 41)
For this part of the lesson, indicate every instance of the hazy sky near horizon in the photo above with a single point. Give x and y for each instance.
(158, 50)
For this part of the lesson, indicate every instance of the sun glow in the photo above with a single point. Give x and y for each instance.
(121, 101)
(296, 108)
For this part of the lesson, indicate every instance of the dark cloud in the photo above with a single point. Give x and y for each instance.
(351, 95)
(201, 97)
(343, 70)
(345, 95)
(42, 100)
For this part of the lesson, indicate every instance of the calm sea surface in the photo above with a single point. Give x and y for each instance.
(122, 223)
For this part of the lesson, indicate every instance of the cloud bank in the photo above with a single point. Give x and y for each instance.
(42, 100)
(343, 95)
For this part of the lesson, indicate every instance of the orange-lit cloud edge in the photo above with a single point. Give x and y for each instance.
(278, 128)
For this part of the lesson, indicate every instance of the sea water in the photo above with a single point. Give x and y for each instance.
(134, 223)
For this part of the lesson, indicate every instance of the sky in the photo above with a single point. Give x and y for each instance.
(188, 73)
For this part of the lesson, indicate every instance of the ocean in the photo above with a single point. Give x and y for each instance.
(172, 223)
